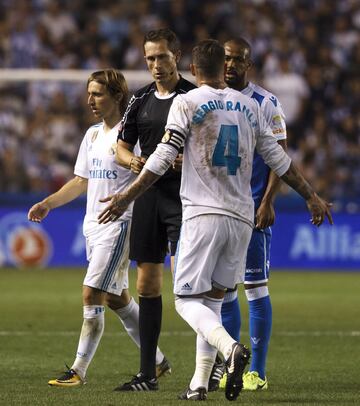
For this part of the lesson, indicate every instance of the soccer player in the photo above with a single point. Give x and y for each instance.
(264, 185)
(220, 128)
(107, 246)
(157, 214)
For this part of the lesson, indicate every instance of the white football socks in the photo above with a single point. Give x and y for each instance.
(205, 353)
(205, 358)
(222, 340)
(91, 333)
(197, 315)
(129, 317)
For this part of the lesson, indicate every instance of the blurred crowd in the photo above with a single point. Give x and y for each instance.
(307, 52)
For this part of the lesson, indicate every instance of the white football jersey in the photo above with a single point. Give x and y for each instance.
(96, 162)
(221, 128)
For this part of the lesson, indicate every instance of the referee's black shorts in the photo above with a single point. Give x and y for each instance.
(156, 224)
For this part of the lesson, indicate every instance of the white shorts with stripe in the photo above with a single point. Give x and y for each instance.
(211, 251)
(108, 255)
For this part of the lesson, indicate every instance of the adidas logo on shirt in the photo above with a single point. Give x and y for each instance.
(186, 286)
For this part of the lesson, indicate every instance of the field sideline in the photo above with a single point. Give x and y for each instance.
(314, 353)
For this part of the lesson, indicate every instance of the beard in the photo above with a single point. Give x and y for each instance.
(232, 79)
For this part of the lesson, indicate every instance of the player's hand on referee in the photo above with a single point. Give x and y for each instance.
(136, 164)
(319, 209)
(113, 210)
(177, 164)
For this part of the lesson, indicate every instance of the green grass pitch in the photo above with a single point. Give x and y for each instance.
(314, 356)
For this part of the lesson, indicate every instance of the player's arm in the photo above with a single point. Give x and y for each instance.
(265, 214)
(70, 191)
(128, 137)
(275, 118)
(280, 162)
(157, 164)
(126, 157)
(318, 207)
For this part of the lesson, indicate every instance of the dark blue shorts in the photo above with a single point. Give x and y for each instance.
(258, 257)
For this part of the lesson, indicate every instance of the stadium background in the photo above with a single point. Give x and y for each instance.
(307, 52)
(47, 49)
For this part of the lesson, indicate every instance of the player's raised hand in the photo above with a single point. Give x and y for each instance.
(319, 209)
(113, 210)
(38, 212)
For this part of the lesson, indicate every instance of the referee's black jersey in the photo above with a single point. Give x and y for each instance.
(145, 119)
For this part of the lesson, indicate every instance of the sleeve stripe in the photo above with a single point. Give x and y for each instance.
(176, 140)
(176, 132)
(175, 144)
(130, 104)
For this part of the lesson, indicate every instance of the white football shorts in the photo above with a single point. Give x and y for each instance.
(107, 251)
(211, 251)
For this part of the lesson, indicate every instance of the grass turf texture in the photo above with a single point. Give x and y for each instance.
(313, 360)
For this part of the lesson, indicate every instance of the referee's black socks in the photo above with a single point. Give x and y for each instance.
(150, 312)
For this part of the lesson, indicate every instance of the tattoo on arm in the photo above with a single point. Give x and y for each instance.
(295, 179)
(140, 185)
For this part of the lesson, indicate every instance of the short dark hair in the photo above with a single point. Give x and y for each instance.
(166, 34)
(115, 84)
(209, 56)
(241, 42)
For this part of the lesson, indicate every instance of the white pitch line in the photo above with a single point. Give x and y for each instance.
(9, 333)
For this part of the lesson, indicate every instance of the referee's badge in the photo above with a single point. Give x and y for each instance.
(166, 138)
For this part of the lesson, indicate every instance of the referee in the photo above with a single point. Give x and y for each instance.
(157, 213)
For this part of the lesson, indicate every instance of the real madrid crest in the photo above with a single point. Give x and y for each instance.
(112, 150)
(166, 137)
(94, 136)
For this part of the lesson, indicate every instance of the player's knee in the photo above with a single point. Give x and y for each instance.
(115, 302)
(148, 290)
(92, 296)
(149, 284)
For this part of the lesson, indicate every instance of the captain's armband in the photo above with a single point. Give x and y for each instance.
(173, 138)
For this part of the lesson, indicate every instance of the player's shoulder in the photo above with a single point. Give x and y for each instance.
(184, 86)
(244, 98)
(144, 91)
(94, 128)
(92, 131)
(261, 95)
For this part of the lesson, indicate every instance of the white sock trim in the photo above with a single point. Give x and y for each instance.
(230, 296)
(93, 311)
(256, 293)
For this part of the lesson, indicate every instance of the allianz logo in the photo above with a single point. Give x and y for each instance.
(327, 242)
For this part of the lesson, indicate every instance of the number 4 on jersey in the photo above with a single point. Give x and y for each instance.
(227, 141)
